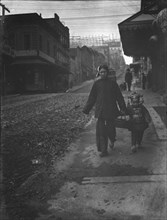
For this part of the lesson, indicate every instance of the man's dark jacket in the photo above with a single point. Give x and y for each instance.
(105, 95)
(128, 76)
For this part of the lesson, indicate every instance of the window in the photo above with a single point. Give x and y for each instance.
(48, 48)
(54, 51)
(27, 41)
(12, 40)
(40, 42)
(30, 77)
(36, 78)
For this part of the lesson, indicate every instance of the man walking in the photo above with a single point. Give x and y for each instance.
(143, 79)
(105, 95)
(128, 79)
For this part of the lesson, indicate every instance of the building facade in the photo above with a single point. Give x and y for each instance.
(75, 67)
(84, 62)
(41, 53)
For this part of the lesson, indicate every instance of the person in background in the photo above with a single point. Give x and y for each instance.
(143, 80)
(149, 79)
(139, 119)
(105, 95)
(128, 79)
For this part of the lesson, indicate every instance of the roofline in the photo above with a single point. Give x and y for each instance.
(137, 14)
(131, 17)
(42, 21)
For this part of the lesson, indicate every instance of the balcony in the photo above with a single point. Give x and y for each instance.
(34, 53)
(26, 53)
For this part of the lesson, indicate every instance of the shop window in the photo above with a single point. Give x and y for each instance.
(30, 77)
(36, 78)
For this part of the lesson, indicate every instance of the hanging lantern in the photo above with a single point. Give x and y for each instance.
(153, 39)
(161, 20)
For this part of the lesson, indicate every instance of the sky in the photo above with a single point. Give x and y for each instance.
(83, 18)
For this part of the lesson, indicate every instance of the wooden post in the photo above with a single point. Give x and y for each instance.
(3, 214)
(2, 76)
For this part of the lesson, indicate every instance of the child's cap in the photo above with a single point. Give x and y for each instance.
(136, 98)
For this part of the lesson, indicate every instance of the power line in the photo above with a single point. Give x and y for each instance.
(74, 9)
(95, 17)
(69, 0)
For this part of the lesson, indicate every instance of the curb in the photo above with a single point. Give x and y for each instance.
(160, 127)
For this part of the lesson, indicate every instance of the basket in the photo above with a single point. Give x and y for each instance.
(122, 122)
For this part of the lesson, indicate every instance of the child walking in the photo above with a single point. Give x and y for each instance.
(139, 119)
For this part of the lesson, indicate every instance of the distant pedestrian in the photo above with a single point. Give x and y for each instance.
(149, 79)
(139, 119)
(143, 80)
(105, 95)
(128, 79)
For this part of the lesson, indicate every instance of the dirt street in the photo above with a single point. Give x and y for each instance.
(36, 130)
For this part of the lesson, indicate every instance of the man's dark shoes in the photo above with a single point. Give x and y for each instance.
(133, 149)
(103, 154)
(111, 145)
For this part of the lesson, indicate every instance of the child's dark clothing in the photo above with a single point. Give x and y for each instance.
(139, 120)
(139, 117)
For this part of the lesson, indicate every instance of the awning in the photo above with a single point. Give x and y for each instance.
(29, 61)
(136, 63)
(135, 33)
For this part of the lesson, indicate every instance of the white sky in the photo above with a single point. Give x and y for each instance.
(83, 18)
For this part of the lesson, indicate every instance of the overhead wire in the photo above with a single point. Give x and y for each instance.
(68, 0)
(96, 19)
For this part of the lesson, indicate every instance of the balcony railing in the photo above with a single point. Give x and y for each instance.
(26, 53)
(37, 53)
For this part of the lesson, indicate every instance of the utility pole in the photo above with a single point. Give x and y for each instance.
(3, 214)
(2, 77)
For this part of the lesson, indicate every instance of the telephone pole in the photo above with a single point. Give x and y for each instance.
(2, 77)
(3, 214)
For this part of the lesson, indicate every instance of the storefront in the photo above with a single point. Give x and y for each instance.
(142, 36)
(36, 75)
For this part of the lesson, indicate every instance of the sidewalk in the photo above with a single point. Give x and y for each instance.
(122, 186)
